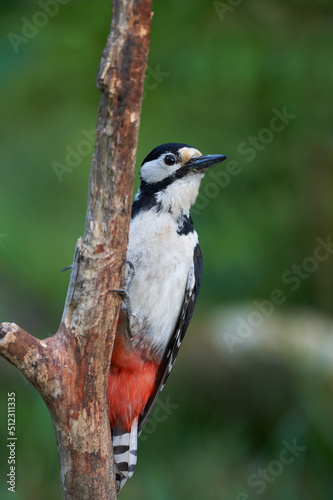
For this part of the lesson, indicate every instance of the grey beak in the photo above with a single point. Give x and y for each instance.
(205, 162)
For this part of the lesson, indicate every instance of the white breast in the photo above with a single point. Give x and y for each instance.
(162, 261)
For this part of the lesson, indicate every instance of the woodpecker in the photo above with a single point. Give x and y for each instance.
(162, 283)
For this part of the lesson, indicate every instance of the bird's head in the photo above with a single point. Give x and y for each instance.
(171, 175)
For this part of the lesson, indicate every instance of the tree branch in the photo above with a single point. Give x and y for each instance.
(70, 369)
(21, 349)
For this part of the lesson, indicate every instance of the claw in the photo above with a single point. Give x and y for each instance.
(124, 294)
(126, 300)
(130, 275)
(128, 309)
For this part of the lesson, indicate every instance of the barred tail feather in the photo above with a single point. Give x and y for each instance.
(125, 452)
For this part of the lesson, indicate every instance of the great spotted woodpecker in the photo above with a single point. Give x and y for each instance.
(163, 280)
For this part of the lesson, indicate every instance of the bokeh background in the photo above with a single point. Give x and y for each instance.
(254, 375)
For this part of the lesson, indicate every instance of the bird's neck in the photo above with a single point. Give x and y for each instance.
(175, 198)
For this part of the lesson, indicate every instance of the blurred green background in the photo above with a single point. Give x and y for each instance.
(252, 375)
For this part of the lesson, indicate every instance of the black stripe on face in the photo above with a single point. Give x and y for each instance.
(144, 203)
(148, 191)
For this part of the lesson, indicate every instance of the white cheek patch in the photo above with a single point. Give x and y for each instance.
(157, 170)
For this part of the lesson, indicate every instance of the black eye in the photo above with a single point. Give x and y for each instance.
(169, 160)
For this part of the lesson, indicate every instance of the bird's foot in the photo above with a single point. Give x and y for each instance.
(125, 297)
(131, 274)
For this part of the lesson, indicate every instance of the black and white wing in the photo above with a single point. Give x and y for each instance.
(170, 354)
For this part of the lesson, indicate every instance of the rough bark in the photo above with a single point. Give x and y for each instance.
(70, 369)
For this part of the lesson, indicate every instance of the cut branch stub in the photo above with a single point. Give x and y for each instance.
(22, 350)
